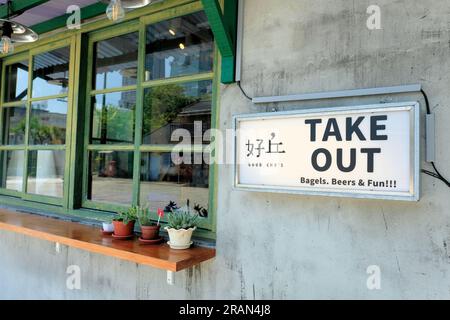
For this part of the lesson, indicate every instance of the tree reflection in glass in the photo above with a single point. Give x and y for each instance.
(113, 118)
(176, 106)
(48, 122)
(14, 125)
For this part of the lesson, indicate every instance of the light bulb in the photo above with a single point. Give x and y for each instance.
(6, 45)
(182, 46)
(172, 32)
(115, 11)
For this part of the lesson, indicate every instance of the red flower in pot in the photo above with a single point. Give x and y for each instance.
(150, 230)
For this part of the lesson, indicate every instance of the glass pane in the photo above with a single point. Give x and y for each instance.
(13, 179)
(51, 72)
(46, 172)
(116, 61)
(111, 177)
(113, 118)
(14, 120)
(179, 46)
(16, 81)
(175, 109)
(48, 122)
(164, 180)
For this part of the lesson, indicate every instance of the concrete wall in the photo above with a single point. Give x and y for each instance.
(286, 246)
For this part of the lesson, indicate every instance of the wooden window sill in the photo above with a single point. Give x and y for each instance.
(91, 239)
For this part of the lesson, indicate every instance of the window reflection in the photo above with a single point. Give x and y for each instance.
(165, 178)
(179, 46)
(13, 180)
(46, 172)
(16, 81)
(51, 72)
(176, 106)
(113, 118)
(14, 121)
(48, 122)
(116, 62)
(111, 177)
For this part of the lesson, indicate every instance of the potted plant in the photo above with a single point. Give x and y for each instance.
(181, 224)
(150, 231)
(124, 222)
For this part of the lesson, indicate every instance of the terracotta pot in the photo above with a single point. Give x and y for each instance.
(150, 232)
(123, 230)
(180, 239)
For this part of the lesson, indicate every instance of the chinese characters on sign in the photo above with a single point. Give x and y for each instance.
(272, 147)
(366, 151)
(264, 146)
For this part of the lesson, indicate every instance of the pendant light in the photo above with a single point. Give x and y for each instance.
(6, 44)
(14, 32)
(115, 10)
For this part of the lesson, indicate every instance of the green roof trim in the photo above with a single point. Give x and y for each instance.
(87, 12)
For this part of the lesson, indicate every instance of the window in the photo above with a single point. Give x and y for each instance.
(14, 125)
(112, 120)
(51, 73)
(93, 124)
(111, 176)
(176, 106)
(178, 47)
(13, 169)
(164, 180)
(138, 108)
(34, 126)
(116, 61)
(113, 117)
(46, 172)
(16, 82)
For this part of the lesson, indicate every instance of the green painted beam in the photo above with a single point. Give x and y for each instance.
(20, 6)
(230, 19)
(223, 26)
(215, 17)
(87, 12)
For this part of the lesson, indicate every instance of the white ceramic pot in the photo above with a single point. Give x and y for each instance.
(180, 239)
(108, 227)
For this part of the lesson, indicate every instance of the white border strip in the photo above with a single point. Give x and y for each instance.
(239, 40)
(340, 94)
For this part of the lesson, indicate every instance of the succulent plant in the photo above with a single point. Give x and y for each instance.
(182, 219)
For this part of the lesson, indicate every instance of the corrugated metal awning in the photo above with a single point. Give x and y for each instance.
(48, 10)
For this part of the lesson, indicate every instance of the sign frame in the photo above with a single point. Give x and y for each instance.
(415, 154)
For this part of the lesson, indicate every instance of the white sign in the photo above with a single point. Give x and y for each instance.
(365, 151)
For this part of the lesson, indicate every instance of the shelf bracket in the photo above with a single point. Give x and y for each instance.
(170, 278)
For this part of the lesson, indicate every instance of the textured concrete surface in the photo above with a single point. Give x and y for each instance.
(286, 246)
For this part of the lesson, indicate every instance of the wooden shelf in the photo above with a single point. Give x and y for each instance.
(91, 239)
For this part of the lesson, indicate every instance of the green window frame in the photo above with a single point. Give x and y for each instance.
(80, 96)
(28, 146)
(94, 37)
